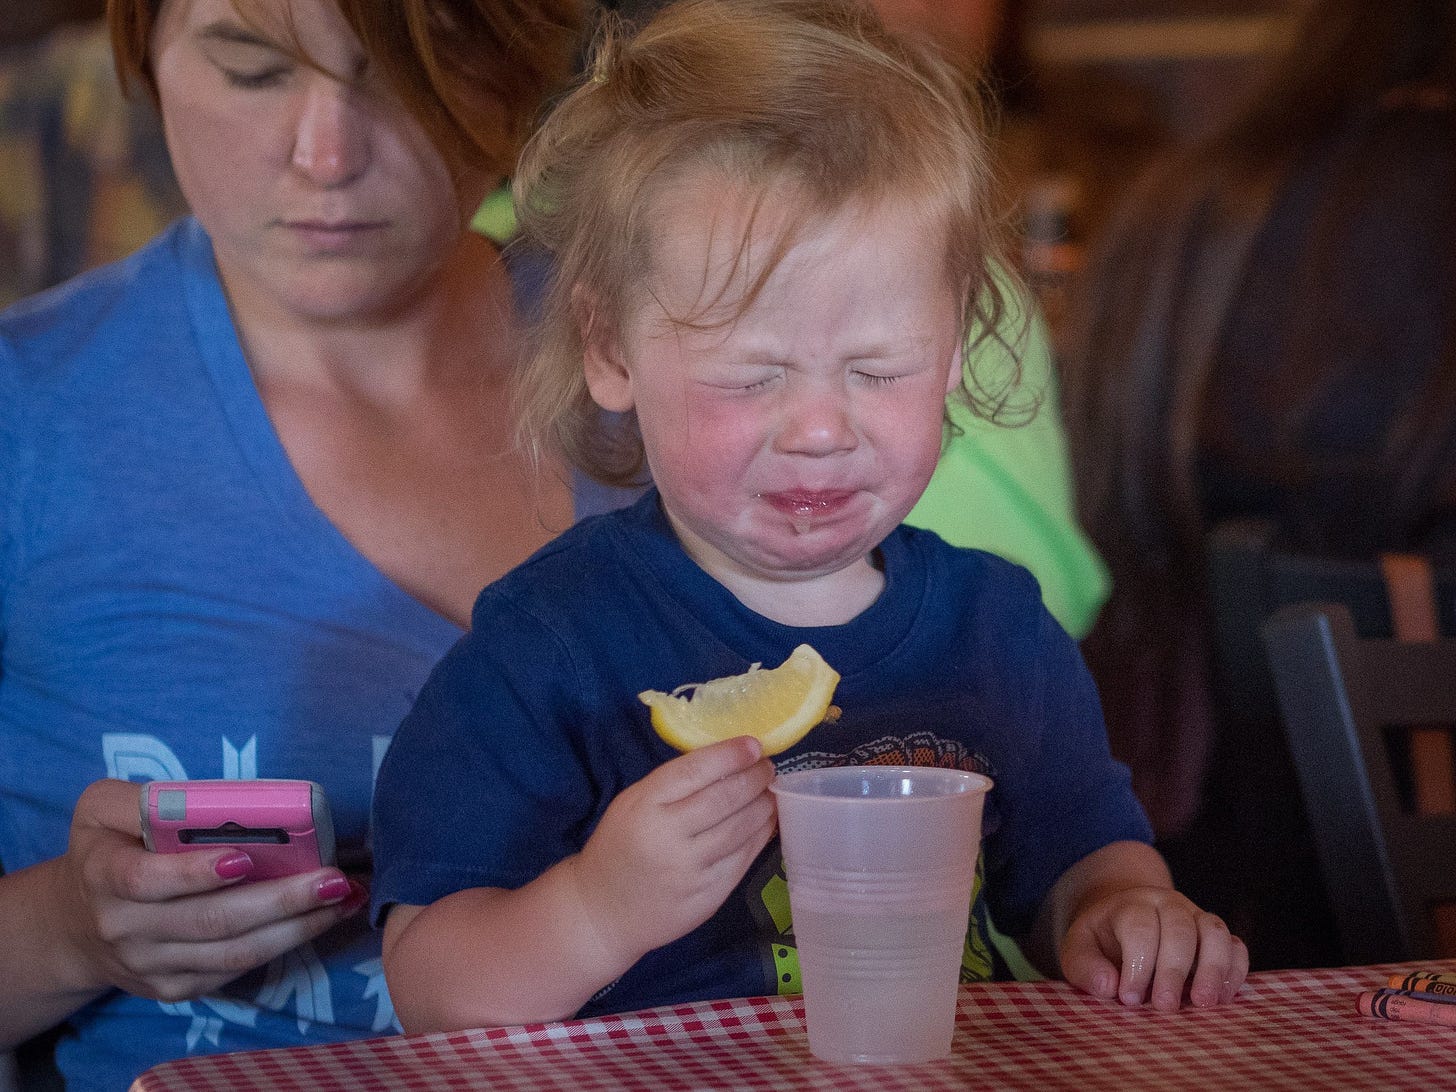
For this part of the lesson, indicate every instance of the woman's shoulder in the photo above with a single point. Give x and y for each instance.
(102, 310)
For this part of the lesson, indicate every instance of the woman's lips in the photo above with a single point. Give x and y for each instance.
(330, 235)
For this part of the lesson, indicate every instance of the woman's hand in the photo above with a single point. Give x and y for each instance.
(174, 926)
(672, 847)
(1141, 943)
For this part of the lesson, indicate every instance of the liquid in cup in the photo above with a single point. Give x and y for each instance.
(880, 862)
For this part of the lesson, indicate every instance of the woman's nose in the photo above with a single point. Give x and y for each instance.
(331, 140)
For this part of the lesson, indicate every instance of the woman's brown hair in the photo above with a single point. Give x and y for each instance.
(456, 65)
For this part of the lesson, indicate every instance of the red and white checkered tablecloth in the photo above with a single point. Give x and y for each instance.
(1288, 1030)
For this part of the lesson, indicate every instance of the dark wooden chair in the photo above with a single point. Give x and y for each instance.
(1251, 854)
(1390, 871)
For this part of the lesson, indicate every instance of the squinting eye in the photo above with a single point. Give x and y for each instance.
(251, 81)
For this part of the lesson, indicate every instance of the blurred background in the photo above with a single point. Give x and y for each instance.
(84, 177)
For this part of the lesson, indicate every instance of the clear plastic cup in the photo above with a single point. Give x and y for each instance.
(880, 861)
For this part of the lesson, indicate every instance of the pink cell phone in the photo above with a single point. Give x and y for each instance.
(284, 826)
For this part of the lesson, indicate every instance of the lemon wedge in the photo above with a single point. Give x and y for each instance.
(778, 705)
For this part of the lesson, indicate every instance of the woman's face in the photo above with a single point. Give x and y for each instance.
(324, 198)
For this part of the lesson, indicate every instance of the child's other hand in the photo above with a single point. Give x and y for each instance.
(672, 847)
(1141, 943)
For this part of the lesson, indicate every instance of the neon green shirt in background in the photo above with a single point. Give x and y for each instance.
(998, 488)
(1008, 489)
(496, 218)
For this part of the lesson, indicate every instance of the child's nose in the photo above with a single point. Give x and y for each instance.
(817, 421)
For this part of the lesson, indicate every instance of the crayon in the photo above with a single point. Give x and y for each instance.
(1426, 989)
(1385, 1005)
(1418, 994)
(1425, 982)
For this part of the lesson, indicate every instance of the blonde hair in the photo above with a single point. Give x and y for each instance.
(814, 97)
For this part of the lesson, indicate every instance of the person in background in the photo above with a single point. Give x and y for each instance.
(251, 480)
(1268, 333)
(770, 234)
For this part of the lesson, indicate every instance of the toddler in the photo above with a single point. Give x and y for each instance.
(771, 237)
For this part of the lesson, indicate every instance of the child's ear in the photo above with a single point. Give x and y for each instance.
(607, 378)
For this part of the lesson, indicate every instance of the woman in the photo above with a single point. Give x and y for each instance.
(1268, 334)
(251, 481)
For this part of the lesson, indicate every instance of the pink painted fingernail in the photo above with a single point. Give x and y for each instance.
(333, 889)
(234, 865)
(1103, 986)
(358, 897)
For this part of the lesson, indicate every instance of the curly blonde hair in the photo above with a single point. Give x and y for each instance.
(814, 98)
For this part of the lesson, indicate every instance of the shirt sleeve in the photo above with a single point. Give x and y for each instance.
(486, 783)
(1068, 798)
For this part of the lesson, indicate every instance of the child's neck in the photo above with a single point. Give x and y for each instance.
(829, 600)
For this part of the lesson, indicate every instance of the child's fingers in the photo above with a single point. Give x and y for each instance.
(1238, 971)
(681, 777)
(730, 833)
(1223, 963)
(709, 806)
(1215, 961)
(1136, 933)
(726, 870)
(1084, 965)
(1178, 948)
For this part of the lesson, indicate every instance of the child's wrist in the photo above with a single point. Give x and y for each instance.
(597, 917)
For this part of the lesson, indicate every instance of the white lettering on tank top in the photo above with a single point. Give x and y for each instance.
(210, 1027)
(240, 764)
(384, 1018)
(140, 758)
(300, 977)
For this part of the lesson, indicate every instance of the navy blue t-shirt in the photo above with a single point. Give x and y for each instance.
(531, 725)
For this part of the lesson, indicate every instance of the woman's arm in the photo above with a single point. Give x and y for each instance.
(43, 975)
(665, 855)
(108, 914)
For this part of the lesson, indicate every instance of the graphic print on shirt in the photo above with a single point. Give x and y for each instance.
(384, 1017)
(768, 886)
(297, 981)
